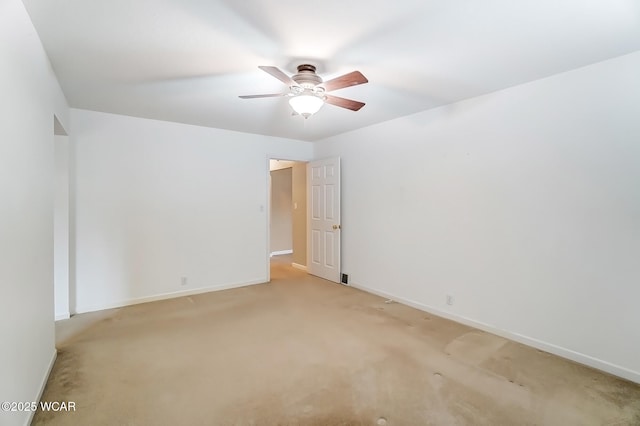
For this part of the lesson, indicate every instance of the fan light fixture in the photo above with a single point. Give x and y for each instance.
(306, 105)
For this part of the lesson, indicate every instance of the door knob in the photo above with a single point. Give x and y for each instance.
(336, 226)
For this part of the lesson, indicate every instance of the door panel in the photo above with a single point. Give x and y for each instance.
(315, 246)
(329, 208)
(315, 202)
(324, 218)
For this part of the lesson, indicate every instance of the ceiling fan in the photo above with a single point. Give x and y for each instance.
(308, 92)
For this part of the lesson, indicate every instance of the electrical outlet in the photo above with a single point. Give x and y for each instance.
(183, 281)
(450, 299)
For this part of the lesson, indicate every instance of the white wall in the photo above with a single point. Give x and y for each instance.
(157, 201)
(30, 96)
(523, 204)
(281, 226)
(61, 228)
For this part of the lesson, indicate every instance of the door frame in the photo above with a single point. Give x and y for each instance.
(62, 222)
(268, 203)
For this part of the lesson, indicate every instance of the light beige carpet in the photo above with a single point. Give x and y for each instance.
(303, 351)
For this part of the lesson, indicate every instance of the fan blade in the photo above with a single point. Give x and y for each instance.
(270, 95)
(344, 103)
(274, 71)
(352, 79)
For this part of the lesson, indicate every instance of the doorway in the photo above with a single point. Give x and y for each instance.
(287, 213)
(61, 223)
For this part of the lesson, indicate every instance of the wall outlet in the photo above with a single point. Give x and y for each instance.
(183, 281)
(450, 299)
(344, 279)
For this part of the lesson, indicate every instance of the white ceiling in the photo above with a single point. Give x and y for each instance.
(188, 60)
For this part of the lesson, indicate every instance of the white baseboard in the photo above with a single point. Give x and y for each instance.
(164, 296)
(279, 252)
(580, 358)
(298, 266)
(63, 316)
(43, 383)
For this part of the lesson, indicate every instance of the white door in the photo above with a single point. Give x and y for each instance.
(323, 242)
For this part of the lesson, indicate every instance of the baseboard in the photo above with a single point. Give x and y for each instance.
(578, 357)
(43, 384)
(63, 316)
(164, 296)
(298, 266)
(279, 252)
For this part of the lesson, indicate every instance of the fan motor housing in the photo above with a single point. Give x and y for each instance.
(307, 76)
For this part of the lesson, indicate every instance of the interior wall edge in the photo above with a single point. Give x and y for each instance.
(63, 316)
(43, 384)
